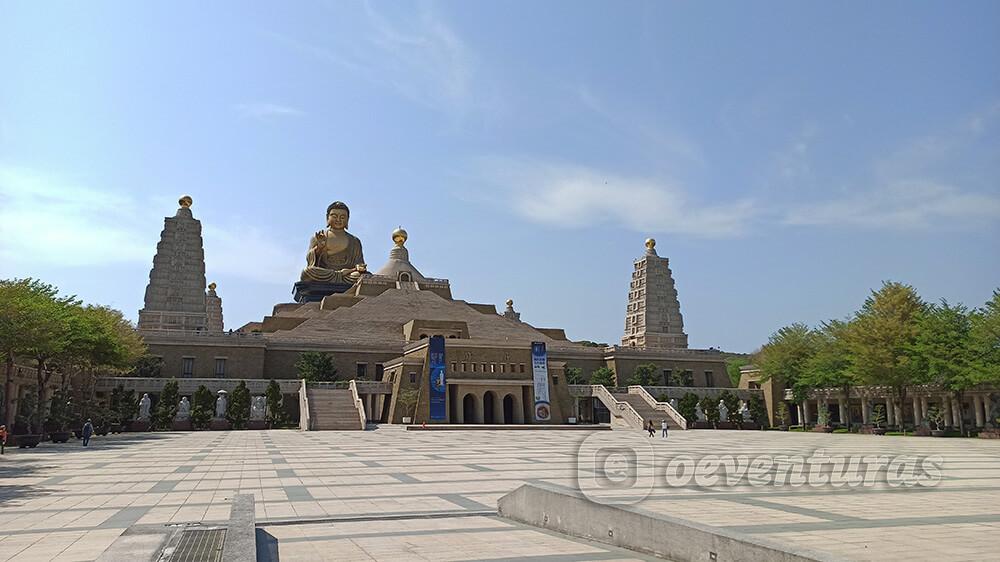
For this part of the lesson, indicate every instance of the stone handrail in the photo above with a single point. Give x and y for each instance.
(304, 419)
(702, 391)
(358, 404)
(664, 407)
(373, 387)
(617, 408)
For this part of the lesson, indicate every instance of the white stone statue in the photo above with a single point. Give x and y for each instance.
(144, 404)
(183, 410)
(220, 405)
(257, 407)
(744, 411)
(673, 403)
(699, 413)
(723, 411)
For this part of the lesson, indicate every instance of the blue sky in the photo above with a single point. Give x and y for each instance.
(787, 156)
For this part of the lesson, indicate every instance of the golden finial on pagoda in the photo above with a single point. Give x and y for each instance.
(650, 243)
(510, 302)
(185, 201)
(399, 236)
(212, 286)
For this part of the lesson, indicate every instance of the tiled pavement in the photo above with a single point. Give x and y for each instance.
(363, 492)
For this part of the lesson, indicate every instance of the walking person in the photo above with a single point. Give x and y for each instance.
(88, 430)
(650, 429)
(663, 428)
(3, 438)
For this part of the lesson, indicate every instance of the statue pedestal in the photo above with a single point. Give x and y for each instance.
(220, 425)
(181, 425)
(138, 425)
(311, 291)
(256, 424)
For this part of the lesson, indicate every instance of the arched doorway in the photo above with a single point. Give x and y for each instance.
(508, 409)
(489, 407)
(469, 409)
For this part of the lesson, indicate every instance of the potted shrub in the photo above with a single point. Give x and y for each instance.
(26, 412)
(782, 416)
(823, 420)
(935, 418)
(59, 416)
(878, 419)
(710, 406)
(688, 407)
(408, 400)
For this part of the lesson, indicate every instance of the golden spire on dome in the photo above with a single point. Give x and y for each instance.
(510, 302)
(399, 236)
(185, 201)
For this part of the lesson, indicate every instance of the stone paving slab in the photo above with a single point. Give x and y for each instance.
(64, 502)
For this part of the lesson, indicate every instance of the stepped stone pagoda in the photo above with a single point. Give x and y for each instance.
(175, 297)
(653, 317)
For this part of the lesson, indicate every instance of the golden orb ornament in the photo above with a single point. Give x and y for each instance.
(212, 286)
(399, 236)
(185, 201)
(510, 302)
(650, 243)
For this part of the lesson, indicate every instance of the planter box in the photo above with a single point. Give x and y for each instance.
(937, 433)
(27, 441)
(256, 424)
(138, 426)
(60, 436)
(823, 429)
(989, 434)
(181, 425)
(220, 425)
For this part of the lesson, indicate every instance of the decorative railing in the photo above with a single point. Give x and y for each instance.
(358, 404)
(659, 406)
(618, 408)
(703, 391)
(305, 421)
(187, 386)
(373, 387)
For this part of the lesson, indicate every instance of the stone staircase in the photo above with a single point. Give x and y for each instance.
(644, 410)
(333, 409)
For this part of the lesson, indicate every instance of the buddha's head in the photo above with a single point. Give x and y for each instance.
(337, 215)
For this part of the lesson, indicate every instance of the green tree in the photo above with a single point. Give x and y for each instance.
(316, 366)
(149, 366)
(60, 411)
(275, 404)
(166, 406)
(408, 401)
(984, 340)
(644, 375)
(882, 335)
(830, 365)
(710, 407)
(123, 405)
(943, 351)
(782, 413)
(27, 411)
(733, 365)
(786, 354)
(21, 324)
(732, 403)
(574, 375)
(603, 376)
(238, 408)
(202, 407)
(758, 411)
(688, 407)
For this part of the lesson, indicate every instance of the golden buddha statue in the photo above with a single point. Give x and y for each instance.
(334, 254)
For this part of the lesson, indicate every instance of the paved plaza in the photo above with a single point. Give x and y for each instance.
(391, 494)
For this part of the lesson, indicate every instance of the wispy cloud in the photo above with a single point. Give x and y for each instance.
(573, 196)
(912, 204)
(422, 59)
(265, 111)
(63, 221)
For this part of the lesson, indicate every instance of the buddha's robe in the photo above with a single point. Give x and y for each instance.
(324, 267)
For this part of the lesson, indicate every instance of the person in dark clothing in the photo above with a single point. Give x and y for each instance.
(650, 429)
(88, 430)
(3, 438)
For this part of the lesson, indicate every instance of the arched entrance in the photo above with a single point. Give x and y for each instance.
(470, 409)
(508, 409)
(489, 407)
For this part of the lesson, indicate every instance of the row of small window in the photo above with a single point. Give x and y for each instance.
(187, 367)
(492, 367)
(362, 371)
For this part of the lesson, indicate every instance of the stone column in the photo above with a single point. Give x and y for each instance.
(917, 416)
(805, 411)
(946, 406)
(923, 406)
(977, 407)
(956, 412)
(843, 410)
(890, 412)
(798, 410)
(987, 406)
(864, 410)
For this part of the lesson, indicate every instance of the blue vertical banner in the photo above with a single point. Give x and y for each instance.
(540, 375)
(436, 361)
